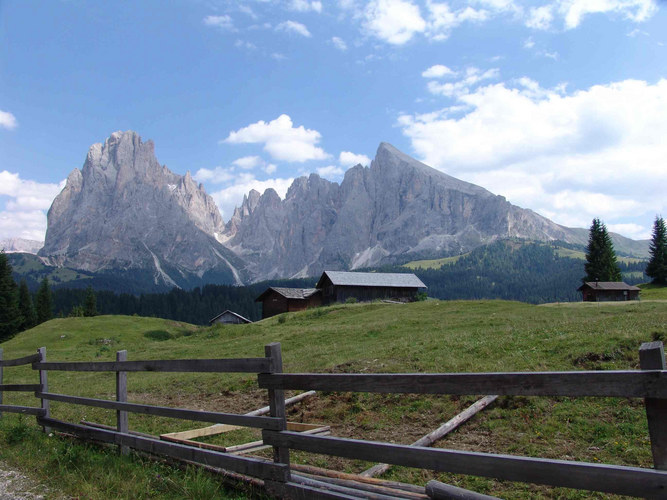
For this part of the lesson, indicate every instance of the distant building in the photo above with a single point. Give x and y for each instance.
(338, 286)
(278, 300)
(606, 291)
(229, 318)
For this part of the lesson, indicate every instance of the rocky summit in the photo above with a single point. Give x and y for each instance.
(123, 211)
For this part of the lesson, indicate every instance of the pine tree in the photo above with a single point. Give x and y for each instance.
(657, 265)
(44, 302)
(90, 303)
(10, 316)
(26, 307)
(601, 262)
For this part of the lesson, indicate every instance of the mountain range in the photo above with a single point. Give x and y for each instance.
(123, 212)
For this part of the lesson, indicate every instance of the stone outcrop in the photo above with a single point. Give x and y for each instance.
(124, 211)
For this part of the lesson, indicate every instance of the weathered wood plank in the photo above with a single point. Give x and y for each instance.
(597, 477)
(277, 400)
(441, 431)
(255, 467)
(652, 357)
(44, 383)
(442, 491)
(241, 365)
(294, 491)
(20, 387)
(161, 411)
(122, 417)
(26, 410)
(651, 384)
(346, 489)
(25, 360)
(357, 485)
(219, 429)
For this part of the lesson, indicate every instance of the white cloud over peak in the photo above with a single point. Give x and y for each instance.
(26, 203)
(339, 43)
(293, 27)
(230, 197)
(248, 162)
(349, 159)
(438, 71)
(305, 6)
(596, 152)
(471, 77)
(7, 120)
(223, 22)
(281, 139)
(394, 21)
(330, 172)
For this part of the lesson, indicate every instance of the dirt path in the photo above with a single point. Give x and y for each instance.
(15, 485)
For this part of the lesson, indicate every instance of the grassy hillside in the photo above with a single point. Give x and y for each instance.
(431, 336)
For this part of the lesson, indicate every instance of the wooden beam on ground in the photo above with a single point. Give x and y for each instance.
(442, 491)
(212, 430)
(362, 486)
(440, 432)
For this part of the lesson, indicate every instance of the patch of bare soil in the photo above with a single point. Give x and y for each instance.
(15, 485)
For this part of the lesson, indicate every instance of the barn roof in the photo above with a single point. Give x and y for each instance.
(227, 311)
(289, 293)
(608, 285)
(393, 280)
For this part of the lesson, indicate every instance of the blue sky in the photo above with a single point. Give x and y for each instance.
(558, 105)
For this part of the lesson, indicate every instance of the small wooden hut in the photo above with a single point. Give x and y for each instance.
(229, 318)
(278, 300)
(608, 291)
(338, 286)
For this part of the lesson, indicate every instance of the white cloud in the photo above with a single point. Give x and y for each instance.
(330, 172)
(339, 43)
(294, 27)
(472, 77)
(348, 159)
(394, 21)
(248, 162)
(438, 71)
(223, 22)
(597, 152)
(229, 198)
(7, 120)
(631, 230)
(634, 10)
(216, 175)
(442, 19)
(529, 43)
(281, 139)
(305, 6)
(26, 203)
(540, 18)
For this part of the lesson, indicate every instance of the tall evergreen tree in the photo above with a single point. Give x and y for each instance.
(44, 302)
(601, 262)
(90, 303)
(10, 316)
(657, 265)
(26, 307)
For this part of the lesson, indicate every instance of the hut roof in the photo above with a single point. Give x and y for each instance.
(289, 293)
(393, 280)
(227, 311)
(608, 285)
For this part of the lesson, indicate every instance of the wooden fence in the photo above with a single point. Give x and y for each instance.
(650, 383)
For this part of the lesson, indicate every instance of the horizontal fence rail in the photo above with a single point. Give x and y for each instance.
(255, 467)
(162, 411)
(20, 387)
(249, 365)
(26, 360)
(639, 384)
(631, 481)
(25, 410)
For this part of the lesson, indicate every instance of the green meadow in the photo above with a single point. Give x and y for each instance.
(429, 336)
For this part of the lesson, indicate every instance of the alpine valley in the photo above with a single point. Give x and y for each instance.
(129, 219)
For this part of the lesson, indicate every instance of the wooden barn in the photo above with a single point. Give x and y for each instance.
(608, 291)
(277, 300)
(229, 318)
(339, 286)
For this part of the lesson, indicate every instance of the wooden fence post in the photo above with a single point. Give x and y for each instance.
(0, 379)
(277, 400)
(652, 357)
(122, 421)
(43, 381)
